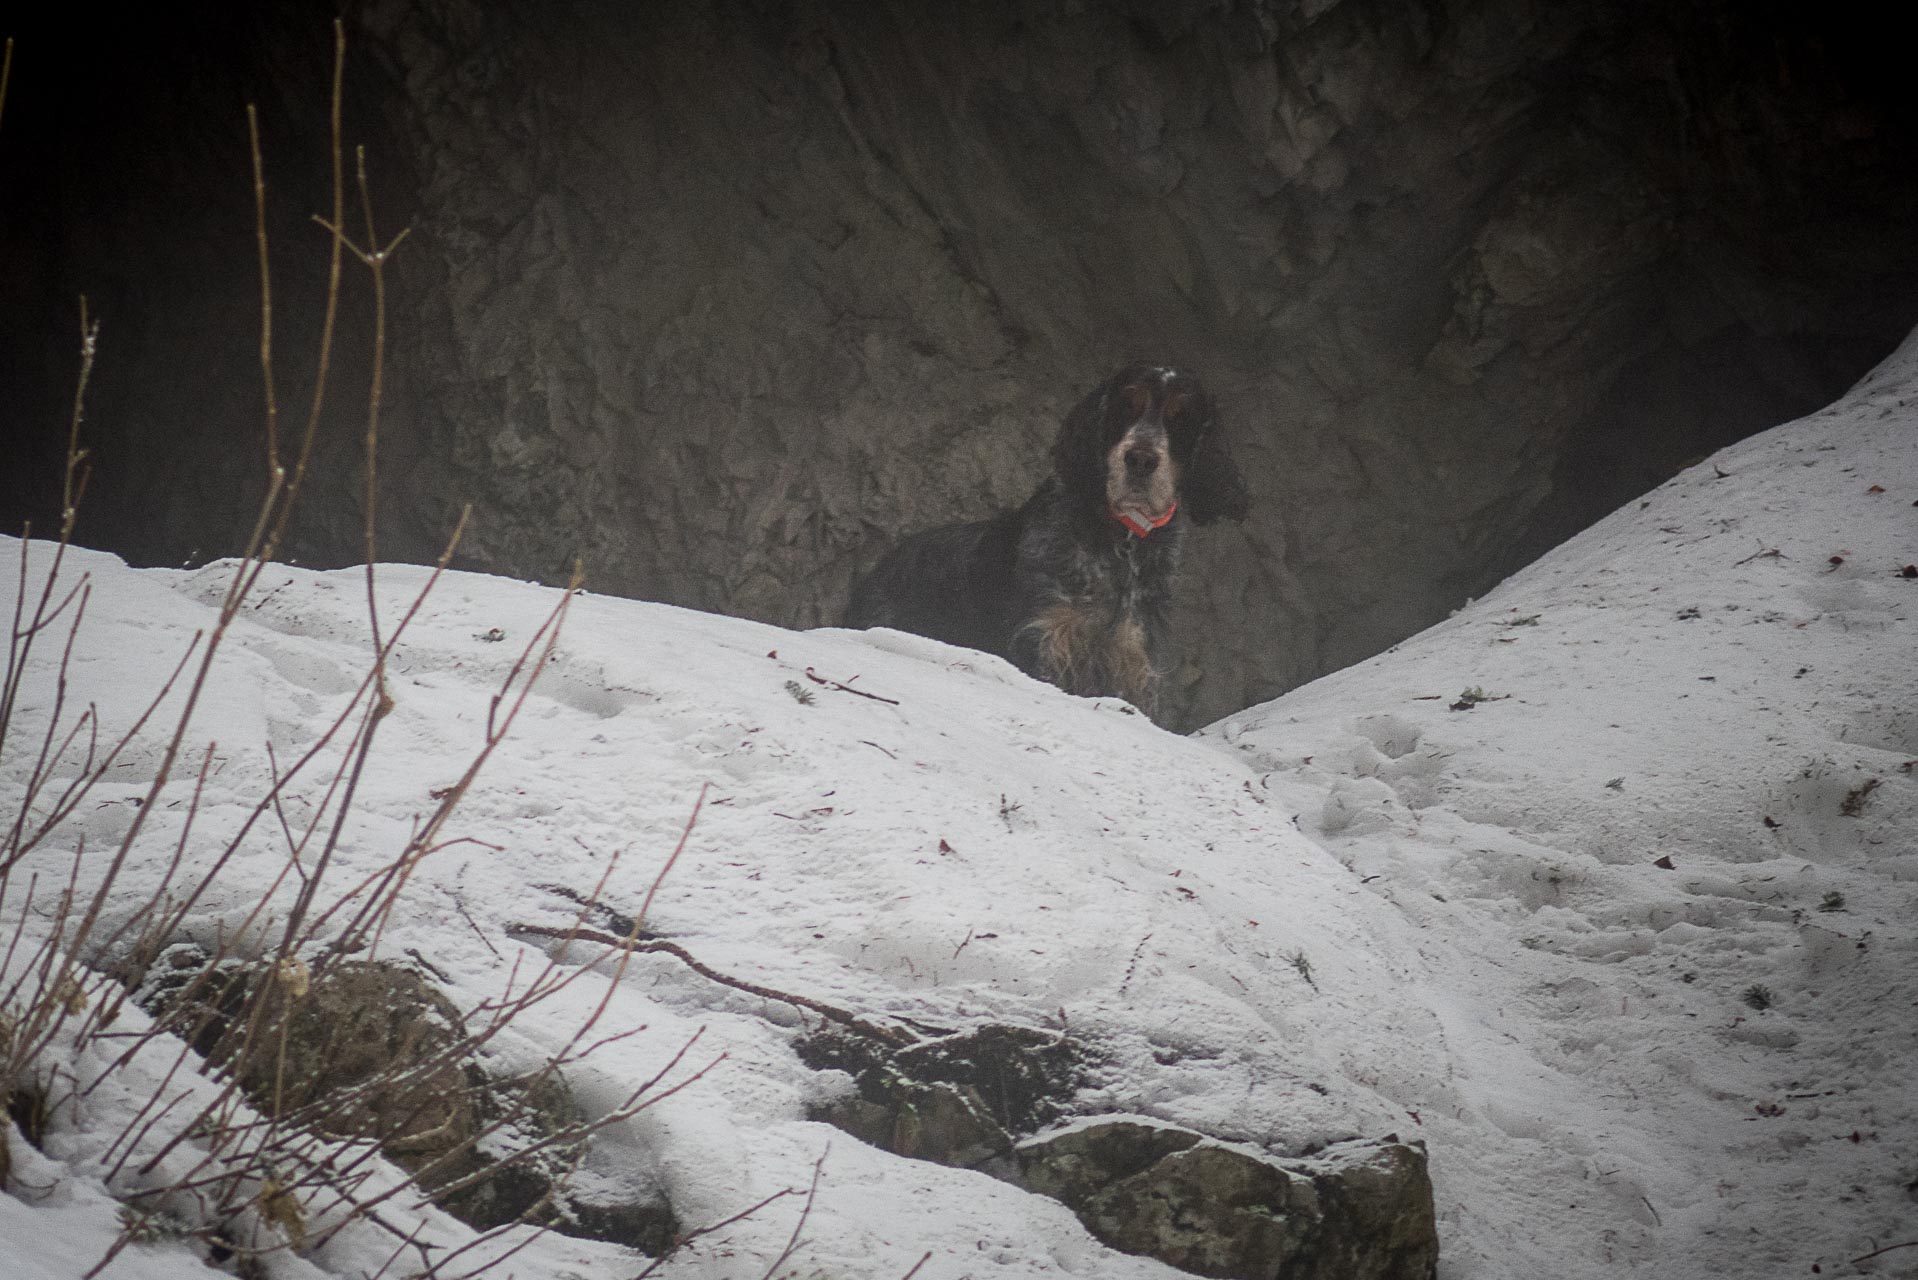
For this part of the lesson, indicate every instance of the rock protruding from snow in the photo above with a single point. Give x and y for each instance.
(959, 1100)
(369, 1049)
(1359, 1210)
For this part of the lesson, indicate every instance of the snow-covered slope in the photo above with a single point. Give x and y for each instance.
(1688, 791)
(1528, 932)
(964, 846)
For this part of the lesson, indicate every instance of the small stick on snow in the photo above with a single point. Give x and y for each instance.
(816, 678)
(1909, 1244)
(474, 926)
(892, 1035)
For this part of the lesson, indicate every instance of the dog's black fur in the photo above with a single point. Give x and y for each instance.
(1063, 587)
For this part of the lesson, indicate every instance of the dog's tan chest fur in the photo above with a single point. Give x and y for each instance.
(1083, 651)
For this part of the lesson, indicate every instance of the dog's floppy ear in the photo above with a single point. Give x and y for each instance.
(1211, 487)
(1078, 453)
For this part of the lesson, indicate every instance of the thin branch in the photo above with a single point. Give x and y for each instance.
(289, 496)
(682, 1241)
(646, 905)
(6, 74)
(273, 468)
(891, 1035)
(816, 678)
(1907, 1244)
(812, 1193)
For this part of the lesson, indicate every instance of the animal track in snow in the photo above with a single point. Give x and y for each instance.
(1392, 749)
(304, 668)
(1393, 736)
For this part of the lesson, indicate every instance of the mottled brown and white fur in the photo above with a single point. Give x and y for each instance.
(1075, 587)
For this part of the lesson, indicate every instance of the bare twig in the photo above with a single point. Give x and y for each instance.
(274, 470)
(1864, 1257)
(472, 924)
(816, 678)
(891, 1035)
(646, 904)
(6, 74)
(682, 1241)
(805, 1211)
(373, 257)
(290, 493)
(72, 485)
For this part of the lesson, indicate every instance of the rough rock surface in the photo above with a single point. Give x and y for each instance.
(375, 1051)
(1359, 1210)
(958, 1100)
(722, 298)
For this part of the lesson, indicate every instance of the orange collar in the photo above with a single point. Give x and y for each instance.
(1142, 530)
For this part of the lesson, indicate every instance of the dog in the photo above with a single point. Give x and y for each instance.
(1075, 587)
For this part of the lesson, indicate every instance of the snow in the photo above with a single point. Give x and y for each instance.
(1524, 931)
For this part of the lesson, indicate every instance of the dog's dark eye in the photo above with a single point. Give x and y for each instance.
(1176, 405)
(1138, 399)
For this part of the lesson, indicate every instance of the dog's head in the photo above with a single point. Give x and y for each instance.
(1147, 443)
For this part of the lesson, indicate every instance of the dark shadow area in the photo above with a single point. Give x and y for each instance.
(723, 298)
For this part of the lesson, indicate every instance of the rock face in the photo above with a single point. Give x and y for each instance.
(1358, 1210)
(723, 298)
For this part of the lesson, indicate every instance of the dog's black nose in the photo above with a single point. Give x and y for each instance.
(1140, 463)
